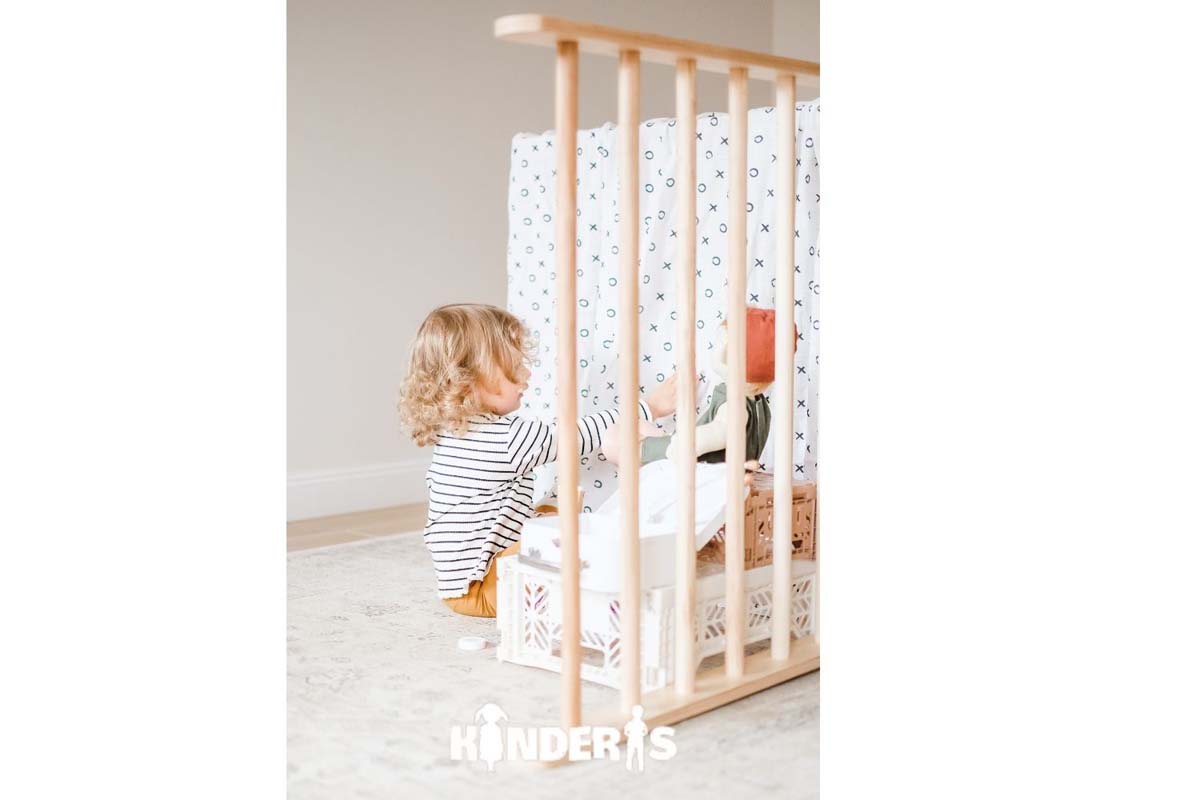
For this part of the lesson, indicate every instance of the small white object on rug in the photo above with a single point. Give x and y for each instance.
(471, 643)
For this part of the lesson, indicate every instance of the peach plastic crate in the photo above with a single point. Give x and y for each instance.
(760, 524)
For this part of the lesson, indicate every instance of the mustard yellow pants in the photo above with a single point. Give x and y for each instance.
(480, 599)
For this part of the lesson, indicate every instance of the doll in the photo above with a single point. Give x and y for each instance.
(711, 426)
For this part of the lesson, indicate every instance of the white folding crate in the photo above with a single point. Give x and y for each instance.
(529, 610)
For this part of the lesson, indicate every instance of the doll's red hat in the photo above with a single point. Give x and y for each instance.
(760, 345)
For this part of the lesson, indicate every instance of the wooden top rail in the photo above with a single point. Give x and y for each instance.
(548, 31)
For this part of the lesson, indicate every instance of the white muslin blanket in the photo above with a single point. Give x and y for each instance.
(532, 266)
(599, 532)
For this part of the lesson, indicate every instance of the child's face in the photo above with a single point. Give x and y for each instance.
(505, 396)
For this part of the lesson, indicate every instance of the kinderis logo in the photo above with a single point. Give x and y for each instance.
(489, 742)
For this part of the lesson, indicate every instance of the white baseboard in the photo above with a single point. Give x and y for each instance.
(319, 493)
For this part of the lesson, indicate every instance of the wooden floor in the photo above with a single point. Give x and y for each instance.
(323, 531)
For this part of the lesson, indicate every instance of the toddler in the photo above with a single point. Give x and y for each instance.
(467, 370)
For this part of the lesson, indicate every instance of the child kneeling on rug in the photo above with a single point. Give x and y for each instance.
(467, 370)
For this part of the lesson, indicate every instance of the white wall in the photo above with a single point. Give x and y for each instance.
(795, 30)
(399, 120)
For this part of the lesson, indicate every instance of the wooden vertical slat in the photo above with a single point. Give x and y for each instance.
(783, 419)
(816, 604)
(566, 118)
(685, 368)
(628, 84)
(735, 441)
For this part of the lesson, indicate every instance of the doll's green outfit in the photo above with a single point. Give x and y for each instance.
(758, 427)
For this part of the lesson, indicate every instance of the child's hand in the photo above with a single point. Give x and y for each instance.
(610, 446)
(662, 399)
(751, 467)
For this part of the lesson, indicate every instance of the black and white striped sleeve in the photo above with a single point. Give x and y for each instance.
(535, 443)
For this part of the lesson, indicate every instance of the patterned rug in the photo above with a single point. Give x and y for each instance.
(375, 682)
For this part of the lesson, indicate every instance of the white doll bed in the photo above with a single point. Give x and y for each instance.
(600, 532)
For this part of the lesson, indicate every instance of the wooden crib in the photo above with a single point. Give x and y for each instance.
(693, 692)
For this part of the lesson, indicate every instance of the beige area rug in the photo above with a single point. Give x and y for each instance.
(375, 681)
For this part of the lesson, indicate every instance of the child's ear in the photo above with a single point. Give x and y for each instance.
(479, 392)
(486, 389)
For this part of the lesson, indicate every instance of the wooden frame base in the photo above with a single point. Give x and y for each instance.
(715, 688)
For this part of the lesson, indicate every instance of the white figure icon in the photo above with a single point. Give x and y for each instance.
(491, 740)
(635, 740)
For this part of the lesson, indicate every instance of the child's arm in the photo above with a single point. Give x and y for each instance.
(535, 443)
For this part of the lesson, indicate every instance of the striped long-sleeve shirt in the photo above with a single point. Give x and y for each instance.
(481, 489)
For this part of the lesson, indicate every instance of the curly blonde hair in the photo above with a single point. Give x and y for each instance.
(459, 348)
